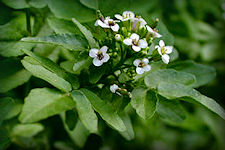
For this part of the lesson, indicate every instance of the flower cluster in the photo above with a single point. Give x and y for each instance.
(130, 37)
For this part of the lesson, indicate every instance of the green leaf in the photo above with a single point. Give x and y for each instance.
(38, 3)
(42, 103)
(37, 70)
(105, 110)
(85, 111)
(129, 133)
(53, 67)
(88, 35)
(12, 74)
(93, 4)
(16, 4)
(170, 76)
(4, 138)
(62, 26)
(71, 119)
(27, 130)
(68, 9)
(123, 78)
(144, 102)
(173, 91)
(170, 110)
(204, 74)
(13, 48)
(14, 29)
(69, 41)
(79, 135)
(96, 73)
(6, 104)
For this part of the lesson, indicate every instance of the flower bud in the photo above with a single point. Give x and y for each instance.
(118, 37)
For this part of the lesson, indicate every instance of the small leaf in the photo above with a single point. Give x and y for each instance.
(173, 91)
(144, 102)
(69, 41)
(12, 74)
(123, 78)
(105, 110)
(79, 135)
(71, 119)
(42, 103)
(170, 110)
(37, 70)
(16, 4)
(4, 138)
(61, 26)
(68, 9)
(88, 35)
(27, 130)
(38, 3)
(168, 75)
(96, 73)
(129, 133)
(93, 4)
(6, 104)
(204, 74)
(85, 111)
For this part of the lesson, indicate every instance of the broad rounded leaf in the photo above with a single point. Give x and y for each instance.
(12, 74)
(93, 4)
(170, 76)
(69, 41)
(68, 9)
(42, 103)
(203, 73)
(85, 111)
(37, 70)
(27, 130)
(173, 91)
(144, 102)
(105, 110)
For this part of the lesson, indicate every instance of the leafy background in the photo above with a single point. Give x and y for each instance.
(195, 27)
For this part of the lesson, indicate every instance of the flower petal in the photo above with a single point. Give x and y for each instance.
(96, 23)
(161, 43)
(136, 48)
(169, 49)
(140, 70)
(149, 29)
(145, 61)
(93, 52)
(128, 14)
(147, 68)
(137, 62)
(118, 17)
(115, 28)
(97, 62)
(143, 43)
(157, 35)
(104, 49)
(165, 58)
(134, 36)
(113, 88)
(159, 50)
(127, 41)
(142, 22)
(102, 24)
(105, 58)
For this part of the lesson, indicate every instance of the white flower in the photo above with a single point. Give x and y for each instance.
(118, 37)
(107, 23)
(126, 16)
(113, 88)
(136, 42)
(142, 65)
(164, 51)
(154, 33)
(100, 56)
(138, 20)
